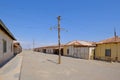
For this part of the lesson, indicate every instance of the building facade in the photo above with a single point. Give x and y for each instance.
(6, 43)
(108, 49)
(80, 49)
(54, 49)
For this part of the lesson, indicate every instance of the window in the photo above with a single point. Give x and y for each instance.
(108, 52)
(11, 47)
(4, 46)
(67, 51)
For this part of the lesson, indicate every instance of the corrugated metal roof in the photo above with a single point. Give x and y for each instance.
(110, 40)
(74, 43)
(6, 30)
(80, 43)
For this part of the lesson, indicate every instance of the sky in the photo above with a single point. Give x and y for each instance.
(89, 20)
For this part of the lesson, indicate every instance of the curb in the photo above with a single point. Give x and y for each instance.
(11, 71)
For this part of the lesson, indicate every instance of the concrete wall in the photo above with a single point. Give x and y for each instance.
(5, 56)
(115, 51)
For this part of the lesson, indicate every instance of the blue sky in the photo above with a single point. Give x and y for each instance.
(89, 20)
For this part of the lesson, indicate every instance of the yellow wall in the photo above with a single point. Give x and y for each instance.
(97, 51)
(9, 52)
(118, 53)
(115, 51)
(65, 50)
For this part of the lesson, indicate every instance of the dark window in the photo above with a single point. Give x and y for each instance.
(11, 47)
(108, 52)
(67, 51)
(4, 46)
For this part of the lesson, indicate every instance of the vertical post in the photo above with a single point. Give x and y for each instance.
(115, 34)
(59, 58)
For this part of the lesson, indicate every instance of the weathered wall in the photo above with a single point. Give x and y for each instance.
(71, 50)
(118, 48)
(65, 50)
(5, 56)
(115, 51)
(91, 52)
(81, 52)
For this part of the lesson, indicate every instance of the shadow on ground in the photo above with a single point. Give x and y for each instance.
(52, 61)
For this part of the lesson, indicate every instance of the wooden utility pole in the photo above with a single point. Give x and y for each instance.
(59, 44)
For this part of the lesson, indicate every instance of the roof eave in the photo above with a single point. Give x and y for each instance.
(7, 30)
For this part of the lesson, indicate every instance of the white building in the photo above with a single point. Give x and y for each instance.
(80, 49)
(6, 43)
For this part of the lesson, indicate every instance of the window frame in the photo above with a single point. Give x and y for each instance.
(108, 52)
(4, 46)
(11, 47)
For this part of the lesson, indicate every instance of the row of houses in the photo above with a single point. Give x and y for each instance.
(79, 49)
(108, 49)
(8, 44)
(54, 49)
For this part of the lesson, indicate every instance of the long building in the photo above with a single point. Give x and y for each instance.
(53, 49)
(6, 44)
(79, 49)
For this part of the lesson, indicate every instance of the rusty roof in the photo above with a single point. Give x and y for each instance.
(114, 39)
(6, 30)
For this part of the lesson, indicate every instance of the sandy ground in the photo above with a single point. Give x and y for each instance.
(39, 66)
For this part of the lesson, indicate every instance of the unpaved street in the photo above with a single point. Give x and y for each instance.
(39, 66)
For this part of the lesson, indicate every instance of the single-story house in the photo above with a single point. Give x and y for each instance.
(80, 49)
(108, 49)
(6, 43)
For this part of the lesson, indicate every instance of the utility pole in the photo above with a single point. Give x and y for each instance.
(59, 44)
